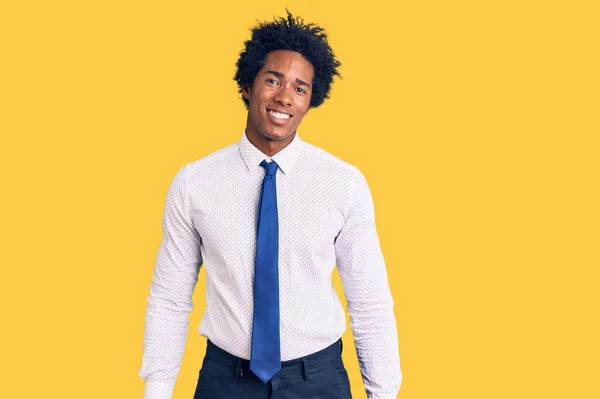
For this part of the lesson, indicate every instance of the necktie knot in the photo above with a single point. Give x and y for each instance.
(271, 167)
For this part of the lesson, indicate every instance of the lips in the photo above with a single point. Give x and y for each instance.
(279, 113)
(278, 116)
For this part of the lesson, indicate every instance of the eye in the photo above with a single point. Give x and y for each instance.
(300, 89)
(272, 81)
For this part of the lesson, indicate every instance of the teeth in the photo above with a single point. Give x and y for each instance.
(279, 115)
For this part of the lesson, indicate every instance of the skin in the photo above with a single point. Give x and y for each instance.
(283, 84)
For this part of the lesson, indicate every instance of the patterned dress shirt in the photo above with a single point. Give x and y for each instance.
(326, 218)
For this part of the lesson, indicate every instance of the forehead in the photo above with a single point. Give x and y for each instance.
(291, 63)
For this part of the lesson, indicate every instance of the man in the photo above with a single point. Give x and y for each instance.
(269, 217)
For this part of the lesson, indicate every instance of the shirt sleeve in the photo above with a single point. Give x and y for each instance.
(370, 303)
(170, 300)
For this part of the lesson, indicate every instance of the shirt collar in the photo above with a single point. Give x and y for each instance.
(285, 158)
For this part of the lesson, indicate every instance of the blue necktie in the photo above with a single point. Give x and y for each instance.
(265, 357)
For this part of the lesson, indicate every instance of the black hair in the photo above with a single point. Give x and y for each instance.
(292, 34)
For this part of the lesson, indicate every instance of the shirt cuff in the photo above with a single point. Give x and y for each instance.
(158, 390)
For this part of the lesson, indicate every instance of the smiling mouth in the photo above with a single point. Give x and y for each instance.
(279, 115)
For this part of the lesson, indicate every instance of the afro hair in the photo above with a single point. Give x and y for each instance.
(291, 34)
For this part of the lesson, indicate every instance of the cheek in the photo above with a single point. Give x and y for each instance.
(305, 108)
(306, 104)
(256, 105)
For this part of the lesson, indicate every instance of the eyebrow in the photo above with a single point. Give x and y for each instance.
(280, 75)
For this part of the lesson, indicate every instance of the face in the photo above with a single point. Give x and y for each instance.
(278, 99)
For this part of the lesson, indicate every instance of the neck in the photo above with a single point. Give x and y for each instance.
(266, 145)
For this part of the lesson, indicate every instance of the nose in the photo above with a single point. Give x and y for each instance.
(283, 96)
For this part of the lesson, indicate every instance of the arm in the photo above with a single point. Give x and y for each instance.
(173, 282)
(370, 303)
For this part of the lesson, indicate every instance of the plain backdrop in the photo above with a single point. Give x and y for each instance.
(476, 125)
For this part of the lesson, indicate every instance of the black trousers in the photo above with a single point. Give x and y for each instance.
(320, 375)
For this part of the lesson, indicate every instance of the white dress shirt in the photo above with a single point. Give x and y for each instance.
(326, 217)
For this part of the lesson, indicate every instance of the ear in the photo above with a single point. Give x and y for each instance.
(246, 92)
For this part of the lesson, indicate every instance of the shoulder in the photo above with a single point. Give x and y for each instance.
(324, 160)
(208, 165)
(214, 159)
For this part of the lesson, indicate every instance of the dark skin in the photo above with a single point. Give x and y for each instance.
(278, 100)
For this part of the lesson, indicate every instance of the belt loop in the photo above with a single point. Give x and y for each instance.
(238, 373)
(304, 370)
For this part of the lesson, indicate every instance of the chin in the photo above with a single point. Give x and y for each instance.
(278, 135)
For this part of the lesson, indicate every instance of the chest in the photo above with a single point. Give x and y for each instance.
(311, 212)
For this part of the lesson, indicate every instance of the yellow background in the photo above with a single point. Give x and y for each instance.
(476, 124)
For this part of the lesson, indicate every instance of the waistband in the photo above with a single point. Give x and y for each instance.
(241, 367)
